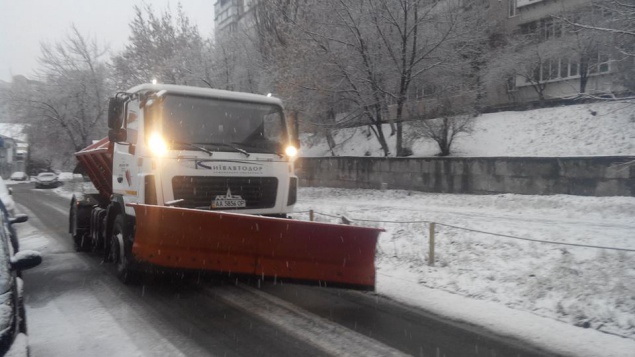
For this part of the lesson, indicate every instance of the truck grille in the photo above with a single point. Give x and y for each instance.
(199, 191)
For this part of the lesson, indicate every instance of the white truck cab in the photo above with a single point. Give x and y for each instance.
(202, 148)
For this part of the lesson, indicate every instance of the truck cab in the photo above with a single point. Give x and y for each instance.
(203, 149)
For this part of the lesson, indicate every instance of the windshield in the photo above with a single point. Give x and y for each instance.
(218, 124)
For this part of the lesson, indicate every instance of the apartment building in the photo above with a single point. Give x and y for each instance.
(231, 15)
(567, 62)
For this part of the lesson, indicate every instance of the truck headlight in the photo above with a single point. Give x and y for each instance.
(157, 145)
(291, 151)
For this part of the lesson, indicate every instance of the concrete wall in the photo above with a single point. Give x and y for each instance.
(588, 176)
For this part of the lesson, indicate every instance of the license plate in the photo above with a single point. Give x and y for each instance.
(229, 203)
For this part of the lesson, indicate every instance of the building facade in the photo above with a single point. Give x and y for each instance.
(12, 156)
(231, 15)
(14, 149)
(568, 63)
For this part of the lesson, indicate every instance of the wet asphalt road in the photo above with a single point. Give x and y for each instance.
(217, 316)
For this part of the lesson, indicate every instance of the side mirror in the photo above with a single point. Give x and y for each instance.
(115, 112)
(25, 259)
(117, 135)
(19, 218)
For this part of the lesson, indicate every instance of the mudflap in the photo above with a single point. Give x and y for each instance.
(284, 249)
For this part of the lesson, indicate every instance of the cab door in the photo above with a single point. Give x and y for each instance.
(125, 168)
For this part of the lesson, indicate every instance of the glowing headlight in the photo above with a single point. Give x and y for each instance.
(157, 145)
(291, 151)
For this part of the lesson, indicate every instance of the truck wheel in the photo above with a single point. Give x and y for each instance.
(79, 241)
(120, 251)
(98, 245)
(22, 317)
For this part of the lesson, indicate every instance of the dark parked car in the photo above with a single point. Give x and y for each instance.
(46, 179)
(13, 329)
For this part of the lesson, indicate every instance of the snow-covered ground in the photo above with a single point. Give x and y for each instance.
(578, 285)
(577, 130)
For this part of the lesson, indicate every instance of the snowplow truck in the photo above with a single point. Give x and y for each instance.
(202, 179)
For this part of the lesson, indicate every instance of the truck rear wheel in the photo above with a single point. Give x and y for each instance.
(97, 235)
(121, 252)
(80, 242)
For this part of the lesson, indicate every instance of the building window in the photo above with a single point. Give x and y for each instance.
(573, 69)
(603, 65)
(545, 28)
(563, 68)
(511, 83)
(420, 91)
(549, 70)
(512, 8)
(599, 63)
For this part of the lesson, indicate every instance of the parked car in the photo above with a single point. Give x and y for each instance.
(19, 176)
(46, 179)
(7, 198)
(13, 329)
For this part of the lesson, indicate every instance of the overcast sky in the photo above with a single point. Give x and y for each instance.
(25, 23)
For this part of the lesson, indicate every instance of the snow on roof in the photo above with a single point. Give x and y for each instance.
(206, 92)
(13, 131)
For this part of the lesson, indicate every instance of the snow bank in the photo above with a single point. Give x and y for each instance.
(606, 128)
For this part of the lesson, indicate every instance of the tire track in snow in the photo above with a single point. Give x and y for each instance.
(333, 339)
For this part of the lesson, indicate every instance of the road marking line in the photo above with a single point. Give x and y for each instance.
(323, 334)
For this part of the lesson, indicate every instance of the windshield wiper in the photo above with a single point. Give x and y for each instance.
(258, 147)
(194, 146)
(244, 152)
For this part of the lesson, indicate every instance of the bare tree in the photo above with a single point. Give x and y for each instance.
(423, 37)
(290, 65)
(588, 51)
(524, 60)
(614, 22)
(373, 51)
(169, 49)
(452, 121)
(350, 62)
(66, 107)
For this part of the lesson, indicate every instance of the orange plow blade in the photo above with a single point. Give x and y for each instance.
(262, 246)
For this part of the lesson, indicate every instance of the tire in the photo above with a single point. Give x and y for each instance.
(121, 253)
(80, 240)
(22, 316)
(99, 236)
